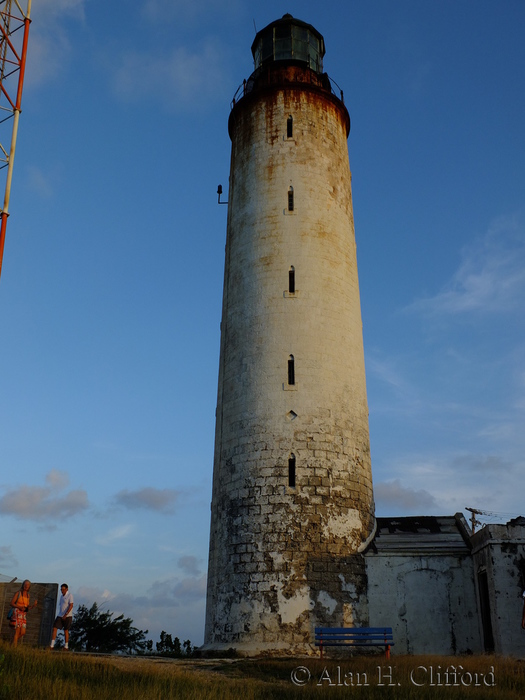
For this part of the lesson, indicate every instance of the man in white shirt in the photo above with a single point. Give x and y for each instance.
(65, 615)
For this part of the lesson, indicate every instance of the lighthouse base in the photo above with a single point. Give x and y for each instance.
(281, 620)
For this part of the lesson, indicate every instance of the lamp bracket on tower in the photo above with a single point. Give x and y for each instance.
(219, 192)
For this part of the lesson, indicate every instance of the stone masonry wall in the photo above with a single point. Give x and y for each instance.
(284, 558)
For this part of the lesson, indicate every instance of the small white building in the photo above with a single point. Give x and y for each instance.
(444, 590)
(498, 559)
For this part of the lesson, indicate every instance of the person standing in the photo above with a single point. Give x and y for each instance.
(21, 604)
(65, 616)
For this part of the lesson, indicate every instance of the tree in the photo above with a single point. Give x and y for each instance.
(95, 630)
(172, 647)
(169, 646)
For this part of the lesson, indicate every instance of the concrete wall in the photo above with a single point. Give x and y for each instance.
(445, 591)
(421, 583)
(499, 559)
(429, 601)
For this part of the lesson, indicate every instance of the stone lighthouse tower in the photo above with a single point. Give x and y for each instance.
(292, 504)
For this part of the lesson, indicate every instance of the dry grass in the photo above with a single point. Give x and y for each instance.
(44, 675)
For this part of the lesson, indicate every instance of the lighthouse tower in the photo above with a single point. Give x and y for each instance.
(292, 504)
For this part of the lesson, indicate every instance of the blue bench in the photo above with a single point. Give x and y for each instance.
(354, 637)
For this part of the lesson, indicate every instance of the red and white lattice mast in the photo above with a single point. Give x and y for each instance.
(14, 32)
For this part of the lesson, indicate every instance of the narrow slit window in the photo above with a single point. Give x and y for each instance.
(289, 127)
(290, 199)
(291, 370)
(291, 280)
(291, 471)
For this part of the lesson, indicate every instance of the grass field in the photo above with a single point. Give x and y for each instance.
(35, 674)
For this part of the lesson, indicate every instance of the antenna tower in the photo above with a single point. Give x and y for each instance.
(14, 33)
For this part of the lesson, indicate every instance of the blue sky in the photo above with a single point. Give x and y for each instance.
(110, 296)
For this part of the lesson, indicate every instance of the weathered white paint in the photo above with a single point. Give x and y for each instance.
(290, 609)
(347, 585)
(344, 524)
(327, 601)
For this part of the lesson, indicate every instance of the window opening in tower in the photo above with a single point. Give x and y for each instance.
(291, 471)
(291, 370)
(289, 127)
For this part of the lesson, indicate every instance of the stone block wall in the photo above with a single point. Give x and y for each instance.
(280, 551)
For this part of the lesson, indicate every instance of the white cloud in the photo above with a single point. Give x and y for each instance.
(159, 500)
(392, 494)
(189, 564)
(486, 464)
(179, 591)
(87, 595)
(58, 7)
(7, 558)
(491, 277)
(384, 370)
(43, 503)
(181, 79)
(391, 374)
(184, 11)
(173, 604)
(192, 588)
(49, 44)
(502, 430)
(39, 182)
(446, 484)
(115, 534)
(57, 479)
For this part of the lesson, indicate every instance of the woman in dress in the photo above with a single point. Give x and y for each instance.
(21, 604)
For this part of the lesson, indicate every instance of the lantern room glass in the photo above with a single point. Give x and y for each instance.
(288, 41)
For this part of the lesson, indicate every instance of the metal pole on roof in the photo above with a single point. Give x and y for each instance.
(473, 519)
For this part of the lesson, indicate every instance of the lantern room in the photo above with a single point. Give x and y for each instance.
(289, 39)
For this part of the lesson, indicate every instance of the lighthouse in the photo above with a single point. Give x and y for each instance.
(292, 503)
